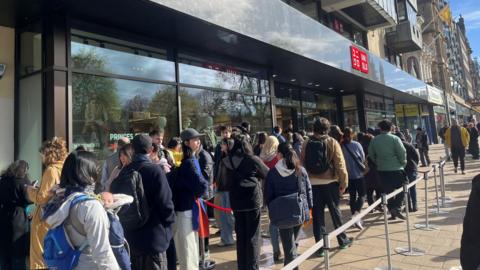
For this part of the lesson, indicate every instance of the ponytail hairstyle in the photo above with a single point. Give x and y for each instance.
(290, 156)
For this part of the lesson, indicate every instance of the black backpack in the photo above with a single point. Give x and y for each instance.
(316, 160)
(136, 215)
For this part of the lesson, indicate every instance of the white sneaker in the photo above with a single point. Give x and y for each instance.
(358, 224)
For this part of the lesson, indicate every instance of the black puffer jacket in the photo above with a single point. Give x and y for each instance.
(245, 188)
(470, 247)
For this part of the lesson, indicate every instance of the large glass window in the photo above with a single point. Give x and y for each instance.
(105, 109)
(201, 72)
(30, 123)
(30, 51)
(97, 53)
(204, 109)
(287, 107)
(378, 108)
(350, 112)
(316, 105)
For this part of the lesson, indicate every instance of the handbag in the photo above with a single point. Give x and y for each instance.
(363, 166)
(290, 210)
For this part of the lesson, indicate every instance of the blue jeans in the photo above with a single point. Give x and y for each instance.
(226, 219)
(274, 237)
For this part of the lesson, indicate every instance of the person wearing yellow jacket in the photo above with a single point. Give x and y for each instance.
(457, 139)
(53, 154)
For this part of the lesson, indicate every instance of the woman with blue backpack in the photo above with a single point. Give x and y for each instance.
(289, 197)
(74, 213)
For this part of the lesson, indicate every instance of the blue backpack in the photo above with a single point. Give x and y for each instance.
(58, 253)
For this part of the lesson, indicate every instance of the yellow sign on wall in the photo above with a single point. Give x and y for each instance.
(409, 109)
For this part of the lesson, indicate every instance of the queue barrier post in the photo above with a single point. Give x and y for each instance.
(408, 251)
(437, 197)
(387, 236)
(443, 199)
(326, 249)
(426, 226)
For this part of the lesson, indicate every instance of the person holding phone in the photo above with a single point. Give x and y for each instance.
(14, 226)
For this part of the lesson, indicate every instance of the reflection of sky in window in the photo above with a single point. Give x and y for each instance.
(129, 64)
(216, 79)
(129, 89)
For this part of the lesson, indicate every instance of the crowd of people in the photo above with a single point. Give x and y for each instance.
(290, 175)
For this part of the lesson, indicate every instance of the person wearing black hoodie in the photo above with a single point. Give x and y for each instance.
(411, 171)
(246, 172)
(470, 243)
(286, 178)
(148, 244)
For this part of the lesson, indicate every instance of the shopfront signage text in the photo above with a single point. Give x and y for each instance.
(359, 59)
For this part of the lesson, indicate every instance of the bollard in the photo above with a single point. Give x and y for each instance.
(387, 237)
(326, 249)
(408, 251)
(426, 226)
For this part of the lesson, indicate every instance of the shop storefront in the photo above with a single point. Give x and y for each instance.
(95, 71)
(463, 113)
(408, 116)
(378, 108)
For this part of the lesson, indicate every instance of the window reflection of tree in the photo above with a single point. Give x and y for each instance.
(164, 104)
(95, 97)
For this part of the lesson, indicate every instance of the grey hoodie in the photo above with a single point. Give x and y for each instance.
(87, 222)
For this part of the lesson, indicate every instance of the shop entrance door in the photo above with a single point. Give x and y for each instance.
(287, 118)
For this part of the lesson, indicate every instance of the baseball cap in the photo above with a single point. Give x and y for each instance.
(142, 144)
(190, 133)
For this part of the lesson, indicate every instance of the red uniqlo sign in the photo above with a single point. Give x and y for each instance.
(359, 59)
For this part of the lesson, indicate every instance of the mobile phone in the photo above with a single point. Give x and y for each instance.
(35, 184)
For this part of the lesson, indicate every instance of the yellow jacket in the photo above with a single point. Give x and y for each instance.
(39, 228)
(464, 134)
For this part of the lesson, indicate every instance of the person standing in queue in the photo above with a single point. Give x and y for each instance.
(355, 160)
(188, 186)
(411, 171)
(269, 156)
(323, 159)
(53, 154)
(245, 190)
(287, 177)
(388, 153)
(14, 225)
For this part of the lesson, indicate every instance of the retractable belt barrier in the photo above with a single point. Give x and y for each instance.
(407, 251)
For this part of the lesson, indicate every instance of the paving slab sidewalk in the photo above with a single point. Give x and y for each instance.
(442, 247)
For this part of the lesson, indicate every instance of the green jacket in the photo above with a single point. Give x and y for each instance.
(387, 152)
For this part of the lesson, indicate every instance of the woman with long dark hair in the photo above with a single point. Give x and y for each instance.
(288, 177)
(14, 227)
(262, 138)
(125, 156)
(84, 218)
(188, 186)
(247, 171)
